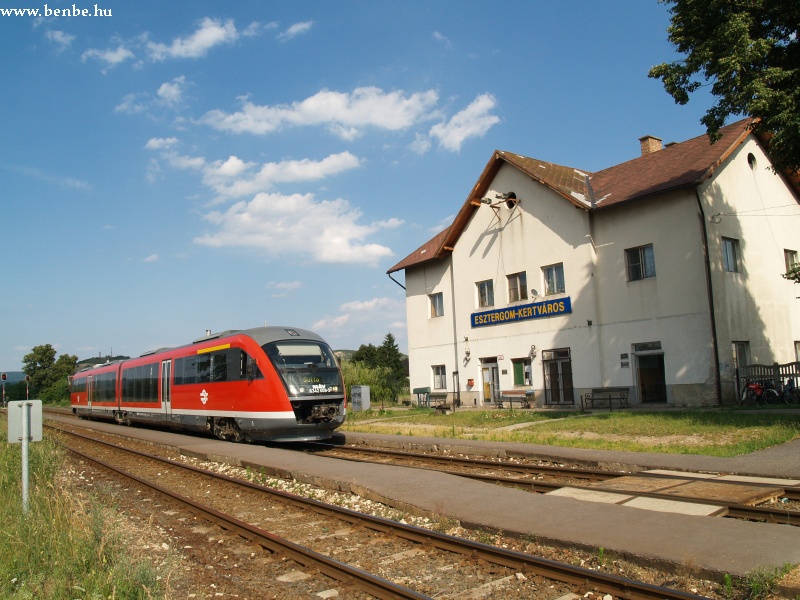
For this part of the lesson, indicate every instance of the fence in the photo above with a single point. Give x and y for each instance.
(775, 374)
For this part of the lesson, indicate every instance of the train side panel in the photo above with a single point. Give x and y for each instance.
(226, 386)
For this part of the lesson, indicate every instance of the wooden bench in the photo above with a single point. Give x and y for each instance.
(438, 401)
(602, 397)
(511, 396)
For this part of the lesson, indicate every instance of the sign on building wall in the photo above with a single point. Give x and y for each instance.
(525, 312)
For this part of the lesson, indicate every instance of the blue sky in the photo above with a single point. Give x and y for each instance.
(182, 166)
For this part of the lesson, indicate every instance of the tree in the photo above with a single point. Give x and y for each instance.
(37, 365)
(387, 360)
(749, 51)
(367, 354)
(46, 372)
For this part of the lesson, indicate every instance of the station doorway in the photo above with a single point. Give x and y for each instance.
(490, 378)
(557, 366)
(651, 383)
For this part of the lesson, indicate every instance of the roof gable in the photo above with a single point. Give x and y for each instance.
(678, 165)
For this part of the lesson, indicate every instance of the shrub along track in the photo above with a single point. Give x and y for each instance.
(430, 563)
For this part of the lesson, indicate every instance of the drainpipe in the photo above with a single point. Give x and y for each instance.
(395, 280)
(710, 293)
(456, 379)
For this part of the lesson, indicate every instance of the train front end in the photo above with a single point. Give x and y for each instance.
(311, 378)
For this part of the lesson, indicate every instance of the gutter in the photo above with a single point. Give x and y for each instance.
(395, 280)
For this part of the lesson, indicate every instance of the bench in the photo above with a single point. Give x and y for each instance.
(438, 401)
(523, 397)
(602, 397)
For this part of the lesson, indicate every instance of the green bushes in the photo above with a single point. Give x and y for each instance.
(65, 547)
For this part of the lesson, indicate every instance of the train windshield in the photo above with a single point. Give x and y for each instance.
(307, 367)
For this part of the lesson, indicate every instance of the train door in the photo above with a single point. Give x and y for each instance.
(166, 389)
(89, 390)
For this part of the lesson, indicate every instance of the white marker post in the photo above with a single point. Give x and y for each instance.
(25, 426)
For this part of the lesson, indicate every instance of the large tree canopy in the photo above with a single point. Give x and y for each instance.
(749, 52)
(41, 366)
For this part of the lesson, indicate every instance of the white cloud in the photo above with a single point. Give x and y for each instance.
(160, 143)
(326, 231)
(296, 29)
(133, 104)
(442, 39)
(283, 288)
(369, 319)
(210, 33)
(151, 258)
(421, 143)
(235, 178)
(474, 121)
(171, 93)
(59, 180)
(344, 114)
(109, 57)
(61, 39)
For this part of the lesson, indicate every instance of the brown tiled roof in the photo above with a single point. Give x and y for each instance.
(678, 165)
(422, 254)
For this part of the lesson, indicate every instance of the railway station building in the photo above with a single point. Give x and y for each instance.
(660, 276)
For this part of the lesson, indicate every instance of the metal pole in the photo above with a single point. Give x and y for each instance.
(26, 438)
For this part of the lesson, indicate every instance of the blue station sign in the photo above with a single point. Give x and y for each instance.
(537, 310)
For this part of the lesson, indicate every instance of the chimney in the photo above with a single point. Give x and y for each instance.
(650, 144)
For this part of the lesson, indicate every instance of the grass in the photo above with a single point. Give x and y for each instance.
(717, 432)
(64, 547)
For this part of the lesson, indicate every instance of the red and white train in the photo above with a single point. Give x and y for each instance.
(265, 384)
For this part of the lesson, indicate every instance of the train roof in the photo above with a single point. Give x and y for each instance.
(264, 335)
(261, 335)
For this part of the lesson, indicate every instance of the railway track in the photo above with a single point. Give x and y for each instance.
(543, 478)
(389, 559)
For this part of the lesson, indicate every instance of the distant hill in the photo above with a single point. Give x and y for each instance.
(99, 360)
(14, 377)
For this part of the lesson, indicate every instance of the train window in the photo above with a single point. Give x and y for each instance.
(297, 354)
(140, 384)
(204, 368)
(78, 385)
(105, 386)
(187, 366)
(231, 364)
(220, 366)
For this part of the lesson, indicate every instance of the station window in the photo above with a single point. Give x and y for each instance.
(741, 354)
(554, 279)
(439, 377)
(640, 262)
(522, 371)
(730, 255)
(517, 287)
(485, 293)
(437, 305)
(790, 258)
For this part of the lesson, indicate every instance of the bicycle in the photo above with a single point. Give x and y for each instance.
(756, 393)
(788, 392)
